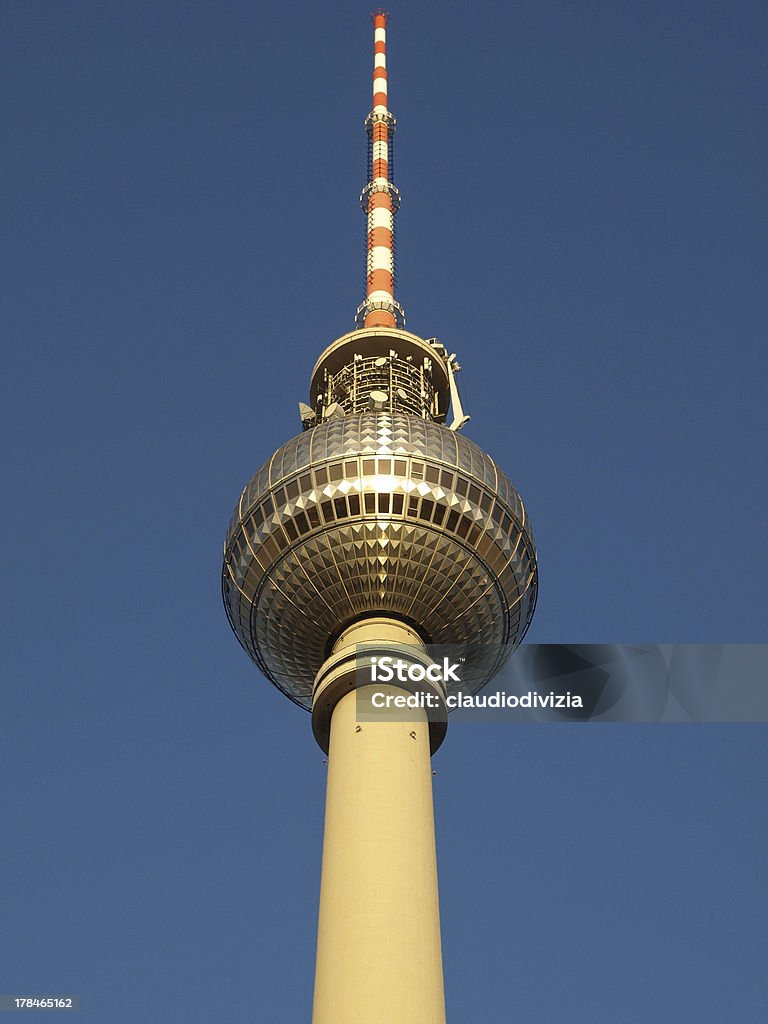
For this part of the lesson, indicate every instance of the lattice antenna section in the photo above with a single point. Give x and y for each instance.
(382, 384)
(380, 198)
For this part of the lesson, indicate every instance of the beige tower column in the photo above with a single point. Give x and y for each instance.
(378, 948)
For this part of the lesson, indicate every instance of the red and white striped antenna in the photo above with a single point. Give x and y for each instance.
(380, 199)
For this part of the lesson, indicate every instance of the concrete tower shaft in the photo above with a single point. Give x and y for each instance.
(378, 945)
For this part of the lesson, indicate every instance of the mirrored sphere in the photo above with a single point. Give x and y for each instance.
(378, 514)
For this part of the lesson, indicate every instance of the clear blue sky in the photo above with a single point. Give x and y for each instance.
(583, 221)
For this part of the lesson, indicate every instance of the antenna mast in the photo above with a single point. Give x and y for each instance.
(380, 199)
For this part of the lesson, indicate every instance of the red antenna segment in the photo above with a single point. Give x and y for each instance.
(380, 199)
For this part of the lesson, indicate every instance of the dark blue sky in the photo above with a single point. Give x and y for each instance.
(583, 221)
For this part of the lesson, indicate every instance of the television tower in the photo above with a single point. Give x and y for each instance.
(377, 531)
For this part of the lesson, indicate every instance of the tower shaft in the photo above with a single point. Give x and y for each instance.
(378, 948)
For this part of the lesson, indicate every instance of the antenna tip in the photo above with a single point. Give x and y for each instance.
(379, 12)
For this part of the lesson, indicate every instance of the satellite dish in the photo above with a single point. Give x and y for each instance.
(381, 361)
(378, 400)
(306, 413)
(334, 412)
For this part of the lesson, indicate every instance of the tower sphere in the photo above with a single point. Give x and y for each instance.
(378, 513)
